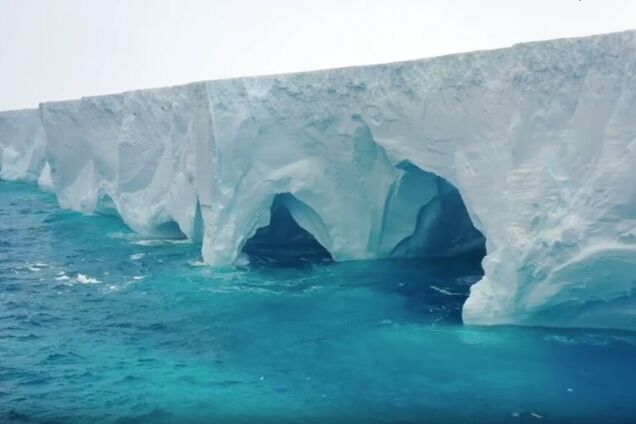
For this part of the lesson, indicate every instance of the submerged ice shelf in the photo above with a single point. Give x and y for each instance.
(532, 147)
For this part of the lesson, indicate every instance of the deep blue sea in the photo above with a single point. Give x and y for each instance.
(99, 325)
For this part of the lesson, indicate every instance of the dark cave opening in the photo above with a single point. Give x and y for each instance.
(283, 241)
(442, 227)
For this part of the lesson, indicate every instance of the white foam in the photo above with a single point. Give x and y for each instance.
(159, 242)
(444, 291)
(84, 279)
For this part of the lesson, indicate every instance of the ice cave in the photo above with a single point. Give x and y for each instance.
(424, 217)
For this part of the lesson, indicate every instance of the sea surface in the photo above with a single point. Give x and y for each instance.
(99, 325)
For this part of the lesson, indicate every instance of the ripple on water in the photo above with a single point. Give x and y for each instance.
(162, 332)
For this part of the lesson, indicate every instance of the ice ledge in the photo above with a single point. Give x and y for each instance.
(539, 139)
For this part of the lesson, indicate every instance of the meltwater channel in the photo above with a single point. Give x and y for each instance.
(99, 325)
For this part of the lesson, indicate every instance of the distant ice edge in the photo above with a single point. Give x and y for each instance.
(539, 139)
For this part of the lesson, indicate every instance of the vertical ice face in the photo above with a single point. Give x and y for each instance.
(532, 147)
(131, 154)
(81, 150)
(21, 145)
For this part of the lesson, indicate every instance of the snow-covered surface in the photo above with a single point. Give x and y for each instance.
(539, 139)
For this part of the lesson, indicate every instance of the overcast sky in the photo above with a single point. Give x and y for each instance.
(61, 49)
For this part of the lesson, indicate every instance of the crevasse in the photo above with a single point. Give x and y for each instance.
(532, 147)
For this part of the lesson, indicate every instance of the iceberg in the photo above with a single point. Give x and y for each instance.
(526, 154)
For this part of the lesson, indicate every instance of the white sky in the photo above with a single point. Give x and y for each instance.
(61, 49)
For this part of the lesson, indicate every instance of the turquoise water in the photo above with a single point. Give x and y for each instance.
(100, 325)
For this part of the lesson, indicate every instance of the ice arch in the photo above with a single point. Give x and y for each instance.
(442, 226)
(283, 239)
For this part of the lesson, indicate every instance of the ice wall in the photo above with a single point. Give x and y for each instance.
(131, 154)
(539, 139)
(21, 145)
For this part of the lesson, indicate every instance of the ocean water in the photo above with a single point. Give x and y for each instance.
(99, 325)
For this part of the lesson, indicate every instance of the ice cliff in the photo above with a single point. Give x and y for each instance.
(533, 146)
(22, 143)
